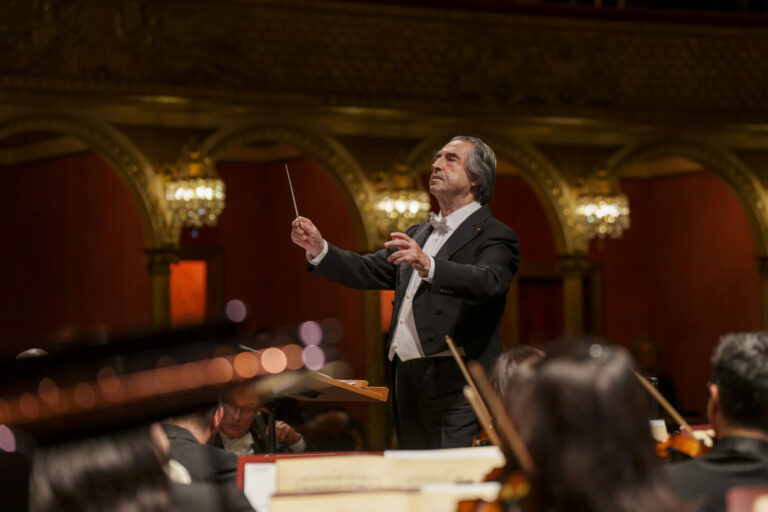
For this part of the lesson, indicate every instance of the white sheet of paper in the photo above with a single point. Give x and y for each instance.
(259, 484)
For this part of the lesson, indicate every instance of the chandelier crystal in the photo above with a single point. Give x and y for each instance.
(602, 211)
(603, 216)
(196, 195)
(397, 203)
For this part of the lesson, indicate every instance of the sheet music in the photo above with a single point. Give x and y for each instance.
(434, 498)
(259, 484)
(394, 470)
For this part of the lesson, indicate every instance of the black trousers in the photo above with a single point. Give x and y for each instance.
(430, 408)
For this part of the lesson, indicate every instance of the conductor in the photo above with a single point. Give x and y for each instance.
(450, 277)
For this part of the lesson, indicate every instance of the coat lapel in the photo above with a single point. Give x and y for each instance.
(468, 230)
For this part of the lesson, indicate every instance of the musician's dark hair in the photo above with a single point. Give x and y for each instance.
(509, 363)
(740, 370)
(583, 415)
(121, 472)
(481, 167)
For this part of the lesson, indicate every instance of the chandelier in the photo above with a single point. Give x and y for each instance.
(602, 211)
(196, 195)
(398, 205)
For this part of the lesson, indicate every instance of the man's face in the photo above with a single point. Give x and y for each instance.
(449, 176)
(240, 409)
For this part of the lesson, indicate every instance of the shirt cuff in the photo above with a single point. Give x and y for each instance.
(298, 446)
(431, 273)
(317, 259)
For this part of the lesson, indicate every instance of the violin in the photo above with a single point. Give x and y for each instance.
(683, 442)
(482, 439)
(678, 444)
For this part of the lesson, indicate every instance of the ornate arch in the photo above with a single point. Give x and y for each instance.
(326, 150)
(551, 188)
(730, 168)
(129, 163)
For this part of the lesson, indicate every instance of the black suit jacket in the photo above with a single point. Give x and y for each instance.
(207, 464)
(466, 299)
(734, 461)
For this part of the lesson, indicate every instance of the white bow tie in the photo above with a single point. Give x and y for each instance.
(440, 225)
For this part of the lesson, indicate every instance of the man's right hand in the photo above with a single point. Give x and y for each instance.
(306, 235)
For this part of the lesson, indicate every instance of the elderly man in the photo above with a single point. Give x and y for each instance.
(738, 411)
(243, 429)
(450, 277)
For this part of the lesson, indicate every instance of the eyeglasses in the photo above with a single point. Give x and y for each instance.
(244, 411)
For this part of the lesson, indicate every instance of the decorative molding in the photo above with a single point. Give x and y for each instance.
(122, 155)
(573, 265)
(330, 53)
(730, 168)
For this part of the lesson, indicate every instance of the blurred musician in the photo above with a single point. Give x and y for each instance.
(189, 437)
(738, 411)
(244, 430)
(584, 418)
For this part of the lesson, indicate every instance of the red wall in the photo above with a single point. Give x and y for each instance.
(73, 252)
(540, 300)
(684, 274)
(260, 264)
(515, 204)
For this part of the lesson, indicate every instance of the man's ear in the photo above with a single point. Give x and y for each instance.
(216, 420)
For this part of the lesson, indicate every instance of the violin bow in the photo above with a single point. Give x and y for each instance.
(664, 403)
(506, 427)
(473, 396)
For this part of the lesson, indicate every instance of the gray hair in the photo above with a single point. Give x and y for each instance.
(481, 167)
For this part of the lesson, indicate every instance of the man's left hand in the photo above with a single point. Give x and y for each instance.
(408, 251)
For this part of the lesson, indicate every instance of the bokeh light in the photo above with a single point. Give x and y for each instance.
(273, 360)
(85, 395)
(28, 406)
(247, 364)
(333, 330)
(314, 357)
(167, 379)
(293, 356)
(141, 385)
(48, 391)
(310, 333)
(110, 384)
(7, 439)
(192, 375)
(236, 310)
(220, 370)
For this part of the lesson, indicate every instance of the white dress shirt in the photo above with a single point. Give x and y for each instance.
(405, 342)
